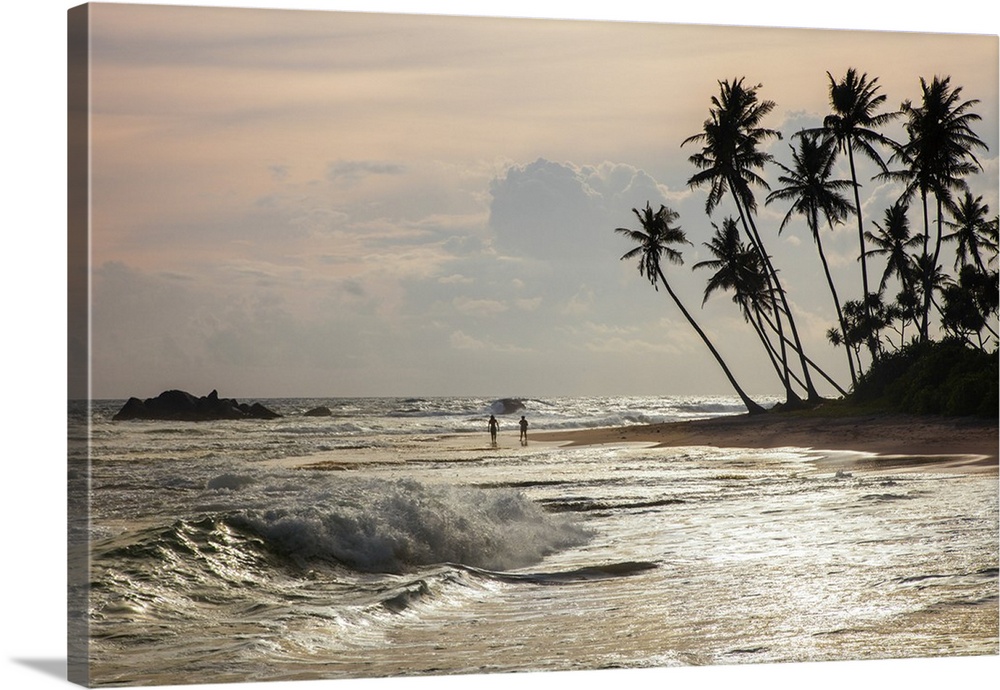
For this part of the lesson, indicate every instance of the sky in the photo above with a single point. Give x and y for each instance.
(330, 203)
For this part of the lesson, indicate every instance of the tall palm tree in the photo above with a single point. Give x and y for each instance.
(812, 193)
(652, 245)
(972, 231)
(853, 126)
(729, 161)
(938, 156)
(731, 137)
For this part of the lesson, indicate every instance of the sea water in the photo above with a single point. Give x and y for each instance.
(390, 538)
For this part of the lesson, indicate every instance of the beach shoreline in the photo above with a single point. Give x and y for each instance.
(862, 442)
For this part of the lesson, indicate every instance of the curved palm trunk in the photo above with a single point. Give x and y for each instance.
(811, 392)
(752, 407)
(861, 244)
(836, 303)
(989, 329)
(815, 367)
(772, 352)
(790, 395)
(861, 222)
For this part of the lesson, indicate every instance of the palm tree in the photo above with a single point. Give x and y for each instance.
(968, 304)
(852, 125)
(739, 268)
(652, 244)
(728, 162)
(938, 156)
(972, 231)
(863, 322)
(731, 136)
(993, 236)
(812, 193)
(894, 242)
(930, 279)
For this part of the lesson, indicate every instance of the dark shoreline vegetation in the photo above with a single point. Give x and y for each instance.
(946, 378)
(885, 332)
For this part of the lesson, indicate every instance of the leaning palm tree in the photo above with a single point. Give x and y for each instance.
(812, 193)
(729, 161)
(852, 125)
(731, 139)
(937, 157)
(972, 231)
(739, 269)
(652, 244)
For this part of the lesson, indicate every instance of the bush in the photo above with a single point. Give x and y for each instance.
(946, 378)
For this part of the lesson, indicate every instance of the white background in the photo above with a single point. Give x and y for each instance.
(33, 336)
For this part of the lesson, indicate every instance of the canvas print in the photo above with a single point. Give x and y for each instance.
(413, 345)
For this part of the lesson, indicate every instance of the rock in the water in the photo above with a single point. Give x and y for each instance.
(175, 405)
(321, 411)
(258, 411)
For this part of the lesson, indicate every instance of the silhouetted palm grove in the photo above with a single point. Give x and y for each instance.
(927, 265)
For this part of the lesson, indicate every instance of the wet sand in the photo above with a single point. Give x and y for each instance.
(876, 441)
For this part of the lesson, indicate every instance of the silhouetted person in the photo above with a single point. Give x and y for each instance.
(524, 431)
(494, 428)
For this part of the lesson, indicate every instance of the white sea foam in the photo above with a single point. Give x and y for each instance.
(393, 526)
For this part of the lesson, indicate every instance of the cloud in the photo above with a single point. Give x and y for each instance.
(462, 341)
(479, 307)
(455, 279)
(580, 303)
(562, 211)
(352, 172)
(279, 172)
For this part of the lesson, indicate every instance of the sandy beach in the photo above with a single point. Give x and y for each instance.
(877, 441)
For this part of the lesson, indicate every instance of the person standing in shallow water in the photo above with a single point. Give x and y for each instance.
(524, 431)
(494, 428)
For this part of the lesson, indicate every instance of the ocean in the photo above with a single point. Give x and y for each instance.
(392, 539)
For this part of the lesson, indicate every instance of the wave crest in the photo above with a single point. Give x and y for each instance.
(396, 526)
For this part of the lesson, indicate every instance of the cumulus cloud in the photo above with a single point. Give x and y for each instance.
(554, 211)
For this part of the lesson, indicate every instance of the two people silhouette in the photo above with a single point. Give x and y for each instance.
(494, 427)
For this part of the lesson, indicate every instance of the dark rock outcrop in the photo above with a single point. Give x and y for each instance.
(175, 405)
(321, 411)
